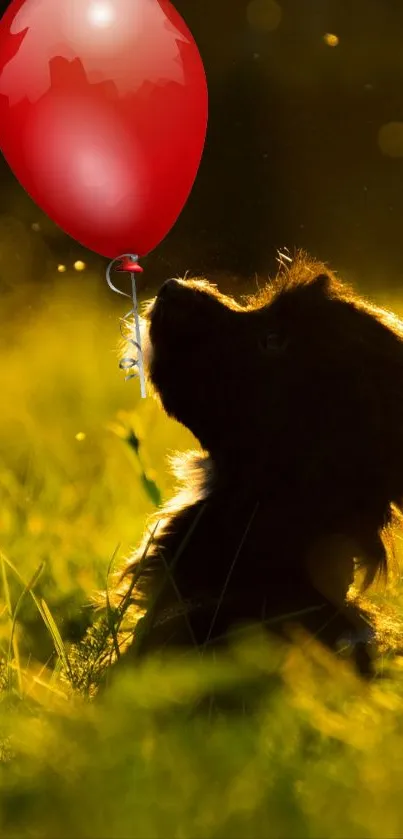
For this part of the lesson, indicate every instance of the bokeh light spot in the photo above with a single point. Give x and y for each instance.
(61, 269)
(80, 266)
(390, 139)
(264, 14)
(330, 39)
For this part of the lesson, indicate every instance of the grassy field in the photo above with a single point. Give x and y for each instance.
(320, 756)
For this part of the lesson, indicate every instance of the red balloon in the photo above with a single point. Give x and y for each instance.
(103, 115)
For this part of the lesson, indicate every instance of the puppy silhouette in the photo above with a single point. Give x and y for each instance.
(296, 398)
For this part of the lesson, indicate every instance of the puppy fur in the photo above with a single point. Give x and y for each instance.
(295, 395)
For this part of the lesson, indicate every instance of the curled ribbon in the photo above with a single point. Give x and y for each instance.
(129, 262)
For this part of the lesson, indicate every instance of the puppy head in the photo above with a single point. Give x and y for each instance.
(303, 368)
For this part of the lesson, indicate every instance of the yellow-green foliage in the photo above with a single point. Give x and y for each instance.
(319, 755)
(72, 485)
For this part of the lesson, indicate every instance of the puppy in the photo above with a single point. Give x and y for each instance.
(296, 398)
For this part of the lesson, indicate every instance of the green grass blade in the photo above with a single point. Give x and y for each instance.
(43, 610)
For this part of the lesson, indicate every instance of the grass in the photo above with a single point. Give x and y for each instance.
(82, 462)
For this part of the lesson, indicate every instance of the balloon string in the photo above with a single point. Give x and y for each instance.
(129, 263)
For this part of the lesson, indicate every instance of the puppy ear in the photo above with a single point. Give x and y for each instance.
(320, 284)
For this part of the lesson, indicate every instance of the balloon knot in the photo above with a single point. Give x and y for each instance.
(130, 264)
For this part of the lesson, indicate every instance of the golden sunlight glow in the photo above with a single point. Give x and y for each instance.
(79, 266)
(80, 436)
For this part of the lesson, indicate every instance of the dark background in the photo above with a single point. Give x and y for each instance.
(293, 154)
